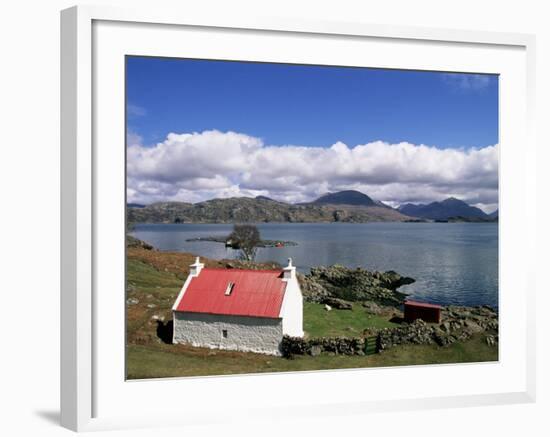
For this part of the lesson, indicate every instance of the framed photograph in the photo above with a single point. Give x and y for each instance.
(331, 213)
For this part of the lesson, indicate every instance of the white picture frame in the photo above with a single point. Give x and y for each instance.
(92, 389)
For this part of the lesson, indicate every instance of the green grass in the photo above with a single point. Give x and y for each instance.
(159, 361)
(147, 357)
(150, 287)
(146, 277)
(340, 323)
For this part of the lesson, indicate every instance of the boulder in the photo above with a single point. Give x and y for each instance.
(372, 308)
(339, 304)
(315, 350)
(392, 279)
(472, 327)
(444, 339)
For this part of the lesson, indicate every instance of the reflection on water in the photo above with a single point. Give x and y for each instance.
(451, 262)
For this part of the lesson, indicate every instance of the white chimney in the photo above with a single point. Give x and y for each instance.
(196, 268)
(289, 272)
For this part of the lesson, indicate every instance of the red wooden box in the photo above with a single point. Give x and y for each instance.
(428, 312)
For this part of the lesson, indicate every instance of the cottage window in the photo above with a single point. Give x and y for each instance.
(229, 288)
(224, 333)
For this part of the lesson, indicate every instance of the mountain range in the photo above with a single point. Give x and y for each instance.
(444, 210)
(344, 206)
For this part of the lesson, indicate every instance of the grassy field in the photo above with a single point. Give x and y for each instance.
(162, 360)
(154, 280)
(340, 323)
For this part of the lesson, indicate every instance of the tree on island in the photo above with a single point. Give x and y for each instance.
(246, 238)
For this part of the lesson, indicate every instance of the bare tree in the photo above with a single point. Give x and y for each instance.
(245, 238)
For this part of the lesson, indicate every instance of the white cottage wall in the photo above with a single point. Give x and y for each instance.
(293, 309)
(247, 334)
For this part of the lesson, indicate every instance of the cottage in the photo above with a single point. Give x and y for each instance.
(235, 309)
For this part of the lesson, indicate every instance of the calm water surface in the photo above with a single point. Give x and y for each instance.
(453, 263)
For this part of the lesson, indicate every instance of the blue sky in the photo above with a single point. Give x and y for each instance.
(310, 105)
(199, 130)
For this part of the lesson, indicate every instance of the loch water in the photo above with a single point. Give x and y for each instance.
(452, 263)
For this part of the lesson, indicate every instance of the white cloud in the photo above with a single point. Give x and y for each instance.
(135, 111)
(133, 139)
(199, 166)
(467, 81)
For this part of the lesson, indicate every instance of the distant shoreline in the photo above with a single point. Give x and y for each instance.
(227, 241)
(425, 222)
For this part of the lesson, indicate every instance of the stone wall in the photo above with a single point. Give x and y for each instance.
(417, 332)
(291, 346)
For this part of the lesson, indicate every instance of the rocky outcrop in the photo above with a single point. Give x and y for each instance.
(458, 323)
(135, 243)
(480, 318)
(392, 279)
(353, 285)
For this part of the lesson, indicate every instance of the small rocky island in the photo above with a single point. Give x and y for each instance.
(233, 245)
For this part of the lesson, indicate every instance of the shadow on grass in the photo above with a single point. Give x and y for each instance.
(165, 331)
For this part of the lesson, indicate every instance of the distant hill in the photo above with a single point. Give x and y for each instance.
(263, 209)
(444, 210)
(135, 205)
(494, 214)
(265, 198)
(411, 209)
(348, 197)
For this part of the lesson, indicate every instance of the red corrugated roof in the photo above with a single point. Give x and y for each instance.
(422, 304)
(257, 293)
